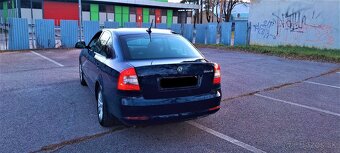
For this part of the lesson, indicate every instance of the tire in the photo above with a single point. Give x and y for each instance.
(81, 76)
(104, 117)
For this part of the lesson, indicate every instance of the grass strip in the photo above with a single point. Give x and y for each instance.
(292, 52)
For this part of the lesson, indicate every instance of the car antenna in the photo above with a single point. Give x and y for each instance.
(149, 30)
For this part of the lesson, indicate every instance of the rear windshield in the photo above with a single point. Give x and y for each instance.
(161, 46)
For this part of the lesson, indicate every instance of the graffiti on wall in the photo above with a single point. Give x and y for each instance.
(291, 24)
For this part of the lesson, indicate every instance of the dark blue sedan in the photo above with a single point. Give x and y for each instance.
(144, 77)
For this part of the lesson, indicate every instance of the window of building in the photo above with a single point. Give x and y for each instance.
(25, 4)
(132, 10)
(36, 4)
(175, 13)
(109, 9)
(164, 12)
(152, 11)
(102, 8)
(85, 7)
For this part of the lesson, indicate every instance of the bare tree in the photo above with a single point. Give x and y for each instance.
(228, 6)
(209, 6)
(206, 7)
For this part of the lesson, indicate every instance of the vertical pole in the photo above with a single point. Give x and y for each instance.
(17, 9)
(32, 34)
(201, 15)
(31, 11)
(80, 21)
(42, 8)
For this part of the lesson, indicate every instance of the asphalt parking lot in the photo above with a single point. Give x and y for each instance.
(270, 104)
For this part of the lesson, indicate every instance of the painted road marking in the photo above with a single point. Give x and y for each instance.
(321, 84)
(225, 137)
(338, 72)
(44, 57)
(299, 105)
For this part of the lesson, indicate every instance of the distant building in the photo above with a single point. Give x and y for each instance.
(99, 10)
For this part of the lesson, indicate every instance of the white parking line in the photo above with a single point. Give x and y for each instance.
(321, 84)
(299, 105)
(225, 137)
(44, 57)
(338, 72)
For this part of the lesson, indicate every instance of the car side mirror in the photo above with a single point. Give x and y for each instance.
(108, 51)
(80, 45)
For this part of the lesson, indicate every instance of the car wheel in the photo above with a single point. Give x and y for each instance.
(81, 76)
(104, 117)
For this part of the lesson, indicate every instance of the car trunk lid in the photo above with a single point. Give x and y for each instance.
(174, 78)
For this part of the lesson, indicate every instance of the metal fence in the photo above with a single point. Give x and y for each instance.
(17, 34)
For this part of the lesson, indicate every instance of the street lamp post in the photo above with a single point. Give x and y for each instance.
(80, 21)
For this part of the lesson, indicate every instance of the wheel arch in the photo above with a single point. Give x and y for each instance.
(98, 84)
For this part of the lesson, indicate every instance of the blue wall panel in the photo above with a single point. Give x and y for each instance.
(18, 34)
(188, 30)
(201, 32)
(44, 33)
(90, 28)
(176, 28)
(241, 33)
(130, 25)
(162, 26)
(147, 25)
(114, 25)
(69, 33)
(212, 33)
(226, 33)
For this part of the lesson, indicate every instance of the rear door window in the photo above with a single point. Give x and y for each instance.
(103, 40)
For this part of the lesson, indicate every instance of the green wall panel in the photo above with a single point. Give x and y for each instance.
(5, 10)
(94, 12)
(125, 10)
(118, 15)
(118, 9)
(146, 15)
(126, 14)
(12, 8)
(169, 18)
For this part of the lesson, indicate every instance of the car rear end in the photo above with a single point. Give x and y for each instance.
(167, 80)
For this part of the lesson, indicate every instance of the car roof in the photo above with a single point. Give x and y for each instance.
(131, 31)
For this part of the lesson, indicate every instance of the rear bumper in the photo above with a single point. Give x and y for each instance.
(136, 111)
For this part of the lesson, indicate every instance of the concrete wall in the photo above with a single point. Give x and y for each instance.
(313, 23)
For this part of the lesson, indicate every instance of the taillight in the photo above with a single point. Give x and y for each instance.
(128, 80)
(217, 74)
